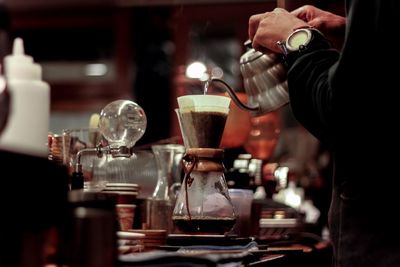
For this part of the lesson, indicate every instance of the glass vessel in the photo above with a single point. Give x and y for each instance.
(168, 158)
(160, 204)
(204, 205)
(122, 123)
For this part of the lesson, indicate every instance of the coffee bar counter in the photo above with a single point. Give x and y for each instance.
(284, 243)
(265, 242)
(230, 251)
(80, 229)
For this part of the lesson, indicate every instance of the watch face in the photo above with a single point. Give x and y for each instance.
(298, 38)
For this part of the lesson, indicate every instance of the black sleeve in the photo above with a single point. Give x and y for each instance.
(310, 91)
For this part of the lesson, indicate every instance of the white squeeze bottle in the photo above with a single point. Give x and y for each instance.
(27, 129)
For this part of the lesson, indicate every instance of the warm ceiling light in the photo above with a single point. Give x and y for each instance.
(196, 70)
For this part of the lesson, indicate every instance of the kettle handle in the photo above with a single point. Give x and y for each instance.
(232, 94)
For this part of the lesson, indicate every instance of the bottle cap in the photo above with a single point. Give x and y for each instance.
(20, 66)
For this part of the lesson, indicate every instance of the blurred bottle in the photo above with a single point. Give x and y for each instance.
(28, 125)
(263, 136)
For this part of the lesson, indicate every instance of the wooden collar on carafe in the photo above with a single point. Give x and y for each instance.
(203, 160)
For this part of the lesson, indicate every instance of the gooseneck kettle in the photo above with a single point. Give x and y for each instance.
(264, 79)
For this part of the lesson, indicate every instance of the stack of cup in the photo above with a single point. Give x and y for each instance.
(125, 215)
(129, 242)
(56, 148)
(124, 193)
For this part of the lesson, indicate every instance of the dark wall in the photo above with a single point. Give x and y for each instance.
(152, 85)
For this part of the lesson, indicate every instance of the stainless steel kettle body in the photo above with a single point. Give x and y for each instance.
(264, 78)
(265, 83)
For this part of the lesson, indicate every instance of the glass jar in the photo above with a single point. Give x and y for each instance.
(203, 205)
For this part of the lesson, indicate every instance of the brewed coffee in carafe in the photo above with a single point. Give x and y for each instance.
(203, 205)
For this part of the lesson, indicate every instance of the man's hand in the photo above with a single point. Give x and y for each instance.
(266, 29)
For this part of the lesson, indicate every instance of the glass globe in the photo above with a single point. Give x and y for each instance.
(122, 123)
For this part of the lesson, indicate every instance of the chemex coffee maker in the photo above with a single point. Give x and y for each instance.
(203, 205)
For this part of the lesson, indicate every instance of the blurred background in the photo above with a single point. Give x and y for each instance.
(152, 51)
(96, 51)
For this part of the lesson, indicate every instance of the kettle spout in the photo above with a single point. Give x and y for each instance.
(232, 94)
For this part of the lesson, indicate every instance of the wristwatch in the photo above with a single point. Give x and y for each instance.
(301, 40)
(298, 40)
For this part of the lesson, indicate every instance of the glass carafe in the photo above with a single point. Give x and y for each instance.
(160, 204)
(203, 205)
(168, 159)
